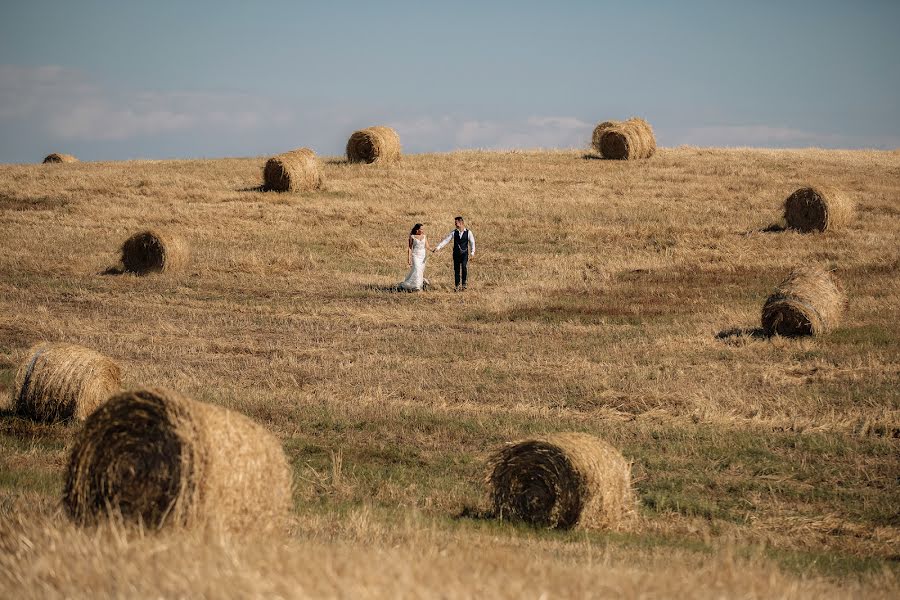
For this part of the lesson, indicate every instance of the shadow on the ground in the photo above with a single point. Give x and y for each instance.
(113, 270)
(258, 188)
(757, 333)
(475, 514)
(773, 228)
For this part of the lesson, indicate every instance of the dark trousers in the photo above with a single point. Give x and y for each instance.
(460, 268)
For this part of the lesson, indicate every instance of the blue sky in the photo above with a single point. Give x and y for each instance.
(113, 80)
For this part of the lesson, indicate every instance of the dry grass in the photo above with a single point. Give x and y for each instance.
(562, 481)
(357, 558)
(615, 298)
(808, 302)
(58, 381)
(157, 458)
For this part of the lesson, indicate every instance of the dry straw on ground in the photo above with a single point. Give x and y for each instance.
(817, 209)
(58, 381)
(374, 144)
(57, 157)
(159, 458)
(154, 251)
(294, 171)
(624, 140)
(562, 481)
(808, 302)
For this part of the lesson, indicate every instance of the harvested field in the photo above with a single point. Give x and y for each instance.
(615, 298)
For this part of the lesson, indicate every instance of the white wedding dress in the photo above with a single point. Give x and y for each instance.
(415, 280)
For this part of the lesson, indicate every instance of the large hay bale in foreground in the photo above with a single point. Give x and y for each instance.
(817, 209)
(626, 140)
(808, 302)
(562, 481)
(297, 170)
(159, 458)
(154, 251)
(381, 144)
(57, 382)
(57, 157)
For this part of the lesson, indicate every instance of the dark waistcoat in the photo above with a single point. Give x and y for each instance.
(461, 243)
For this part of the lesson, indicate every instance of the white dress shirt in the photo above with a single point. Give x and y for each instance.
(449, 238)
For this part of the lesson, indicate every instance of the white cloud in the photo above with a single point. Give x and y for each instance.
(66, 104)
(773, 136)
(451, 132)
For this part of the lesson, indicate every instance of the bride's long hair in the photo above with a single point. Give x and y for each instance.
(415, 228)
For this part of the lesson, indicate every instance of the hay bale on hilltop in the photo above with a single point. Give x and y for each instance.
(58, 382)
(808, 302)
(57, 157)
(154, 251)
(161, 459)
(817, 209)
(562, 481)
(374, 144)
(624, 140)
(297, 170)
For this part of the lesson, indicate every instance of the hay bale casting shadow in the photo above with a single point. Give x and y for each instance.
(154, 251)
(57, 382)
(57, 157)
(562, 481)
(297, 170)
(161, 459)
(817, 209)
(808, 302)
(625, 140)
(374, 144)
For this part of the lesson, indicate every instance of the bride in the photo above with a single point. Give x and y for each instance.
(415, 260)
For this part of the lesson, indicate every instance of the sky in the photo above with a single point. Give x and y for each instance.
(122, 80)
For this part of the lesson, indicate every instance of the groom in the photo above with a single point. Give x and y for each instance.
(463, 248)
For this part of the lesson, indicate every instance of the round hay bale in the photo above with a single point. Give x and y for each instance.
(808, 302)
(156, 457)
(562, 481)
(57, 157)
(598, 133)
(154, 251)
(297, 170)
(630, 140)
(817, 209)
(374, 144)
(57, 382)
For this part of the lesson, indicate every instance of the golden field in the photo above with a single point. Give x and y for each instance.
(615, 298)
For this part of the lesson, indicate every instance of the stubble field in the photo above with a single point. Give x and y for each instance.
(616, 298)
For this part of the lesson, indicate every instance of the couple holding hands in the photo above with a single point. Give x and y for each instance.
(463, 247)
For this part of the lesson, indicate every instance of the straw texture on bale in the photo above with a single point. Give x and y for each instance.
(58, 382)
(161, 459)
(562, 481)
(154, 251)
(817, 209)
(625, 140)
(57, 157)
(297, 170)
(374, 144)
(808, 302)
